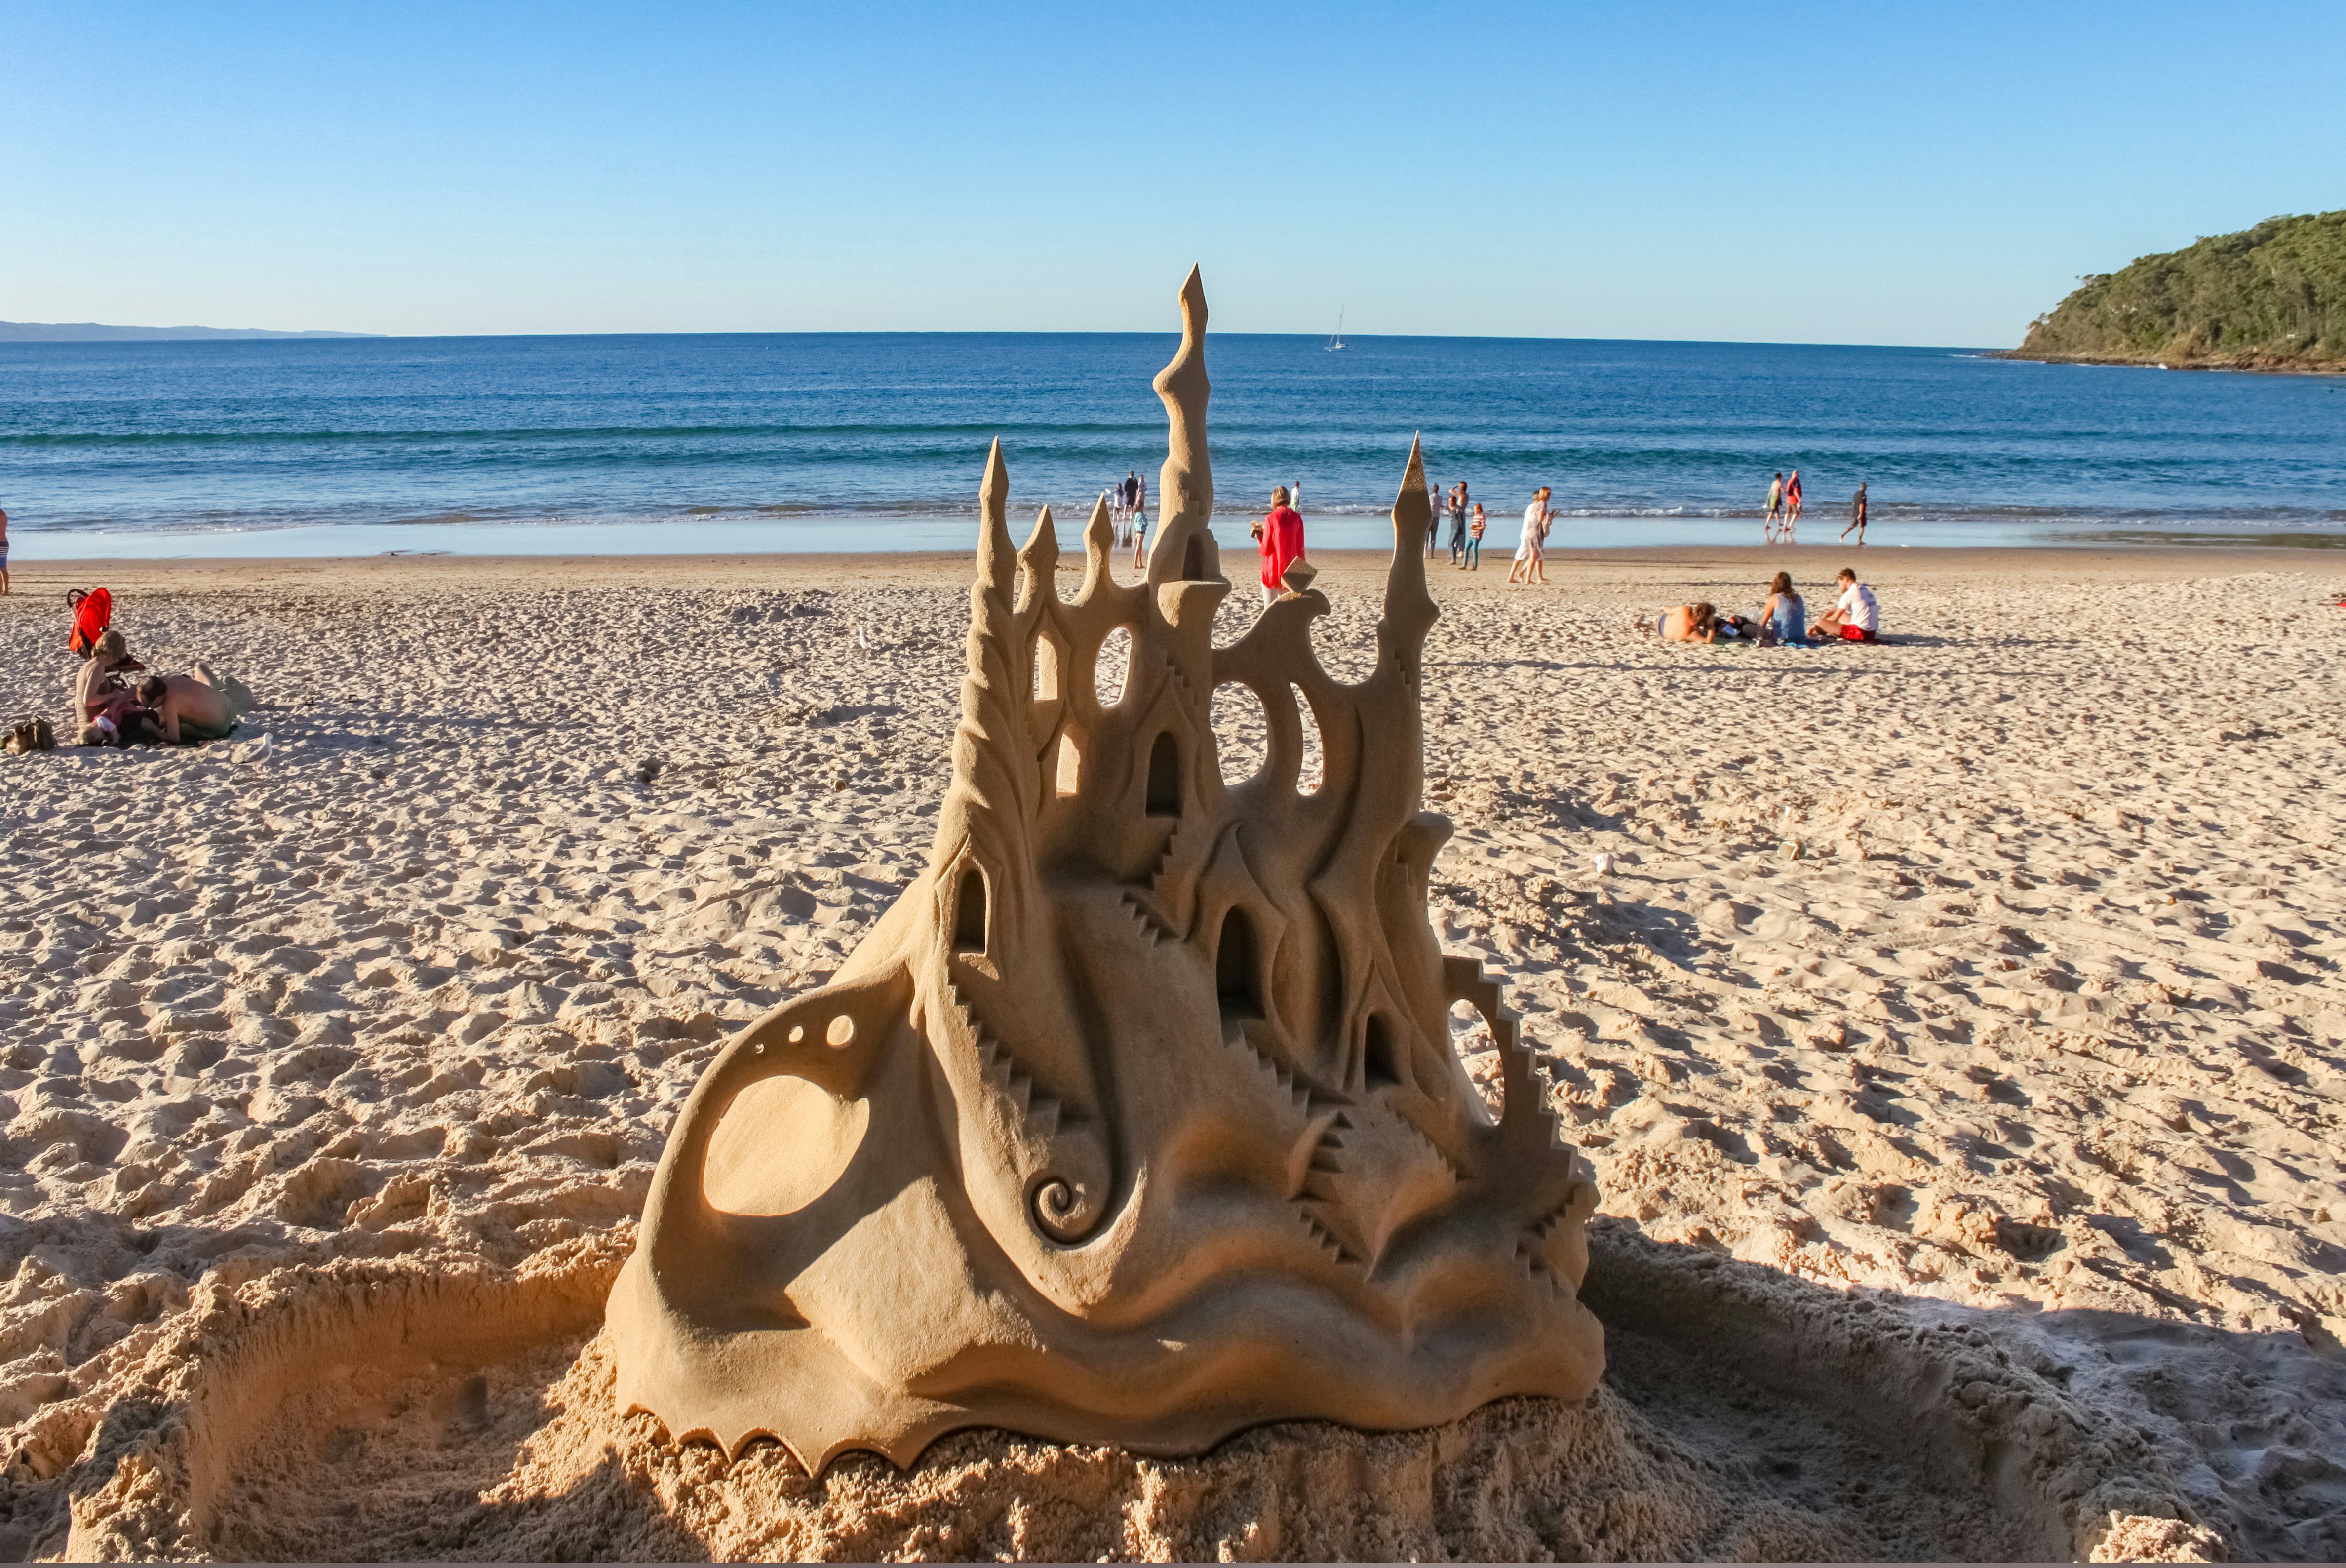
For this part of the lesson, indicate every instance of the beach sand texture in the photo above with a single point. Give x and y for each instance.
(1958, 1039)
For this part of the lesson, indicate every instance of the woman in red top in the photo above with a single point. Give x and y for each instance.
(1280, 536)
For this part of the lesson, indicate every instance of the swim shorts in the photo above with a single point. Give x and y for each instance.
(1856, 635)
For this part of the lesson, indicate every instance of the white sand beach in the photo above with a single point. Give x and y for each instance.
(1959, 1038)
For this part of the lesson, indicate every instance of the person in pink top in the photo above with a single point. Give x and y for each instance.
(1280, 536)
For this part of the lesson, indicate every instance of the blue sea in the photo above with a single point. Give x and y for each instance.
(876, 442)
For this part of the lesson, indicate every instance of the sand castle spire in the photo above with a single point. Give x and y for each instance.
(1185, 547)
(1146, 1084)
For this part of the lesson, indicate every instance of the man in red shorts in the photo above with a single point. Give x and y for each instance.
(1856, 618)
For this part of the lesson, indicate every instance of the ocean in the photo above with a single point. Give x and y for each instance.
(876, 442)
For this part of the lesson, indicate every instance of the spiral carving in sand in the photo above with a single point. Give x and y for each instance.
(1135, 1119)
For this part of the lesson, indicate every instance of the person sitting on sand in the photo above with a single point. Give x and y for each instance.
(197, 705)
(100, 678)
(1784, 618)
(1688, 624)
(1856, 618)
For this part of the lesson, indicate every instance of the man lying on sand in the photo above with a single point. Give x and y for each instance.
(1689, 624)
(1856, 618)
(197, 706)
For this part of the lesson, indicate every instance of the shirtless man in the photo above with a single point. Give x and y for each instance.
(1688, 624)
(197, 706)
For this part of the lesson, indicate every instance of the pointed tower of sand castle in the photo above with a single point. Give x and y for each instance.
(1135, 1119)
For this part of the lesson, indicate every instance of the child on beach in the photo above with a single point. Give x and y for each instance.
(1474, 541)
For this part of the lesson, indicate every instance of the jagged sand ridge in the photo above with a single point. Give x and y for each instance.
(1992, 976)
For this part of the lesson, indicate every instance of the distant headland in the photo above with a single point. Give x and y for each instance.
(92, 332)
(2272, 298)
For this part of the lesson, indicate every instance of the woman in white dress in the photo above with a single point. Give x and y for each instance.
(1531, 550)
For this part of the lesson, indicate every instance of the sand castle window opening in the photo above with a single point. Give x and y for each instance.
(969, 912)
(1164, 776)
(1238, 969)
(1380, 1059)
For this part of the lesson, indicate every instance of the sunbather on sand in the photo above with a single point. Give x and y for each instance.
(197, 706)
(1688, 624)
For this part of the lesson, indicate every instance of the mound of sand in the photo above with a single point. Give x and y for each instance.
(1958, 1040)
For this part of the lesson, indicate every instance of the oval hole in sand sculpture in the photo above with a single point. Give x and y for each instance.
(1470, 1037)
(821, 1131)
(1241, 737)
(1315, 765)
(1112, 670)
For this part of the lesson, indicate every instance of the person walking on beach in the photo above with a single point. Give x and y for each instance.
(1280, 537)
(1458, 524)
(5, 588)
(1474, 540)
(1531, 549)
(1775, 505)
(1791, 505)
(1857, 515)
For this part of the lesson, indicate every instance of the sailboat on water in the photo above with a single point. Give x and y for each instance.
(1338, 341)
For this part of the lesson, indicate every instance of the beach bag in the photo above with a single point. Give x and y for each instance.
(31, 735)
(93, 612)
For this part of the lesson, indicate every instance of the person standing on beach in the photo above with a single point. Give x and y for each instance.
(1531, 549)
(1775, 505)
(1474, 540)
(5, 588)
(1140, 523)
(1458, 524)
(1791, 505)
(1857, 515)
(1280, 537)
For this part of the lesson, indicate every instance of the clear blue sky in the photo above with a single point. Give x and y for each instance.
(1830, 172)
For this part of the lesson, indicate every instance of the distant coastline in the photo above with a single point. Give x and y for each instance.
(94, 332)
(2272, 298)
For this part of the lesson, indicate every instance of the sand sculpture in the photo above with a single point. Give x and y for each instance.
(1137, 1118)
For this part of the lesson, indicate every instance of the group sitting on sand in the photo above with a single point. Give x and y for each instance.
(175, 710)
(1855, 618)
